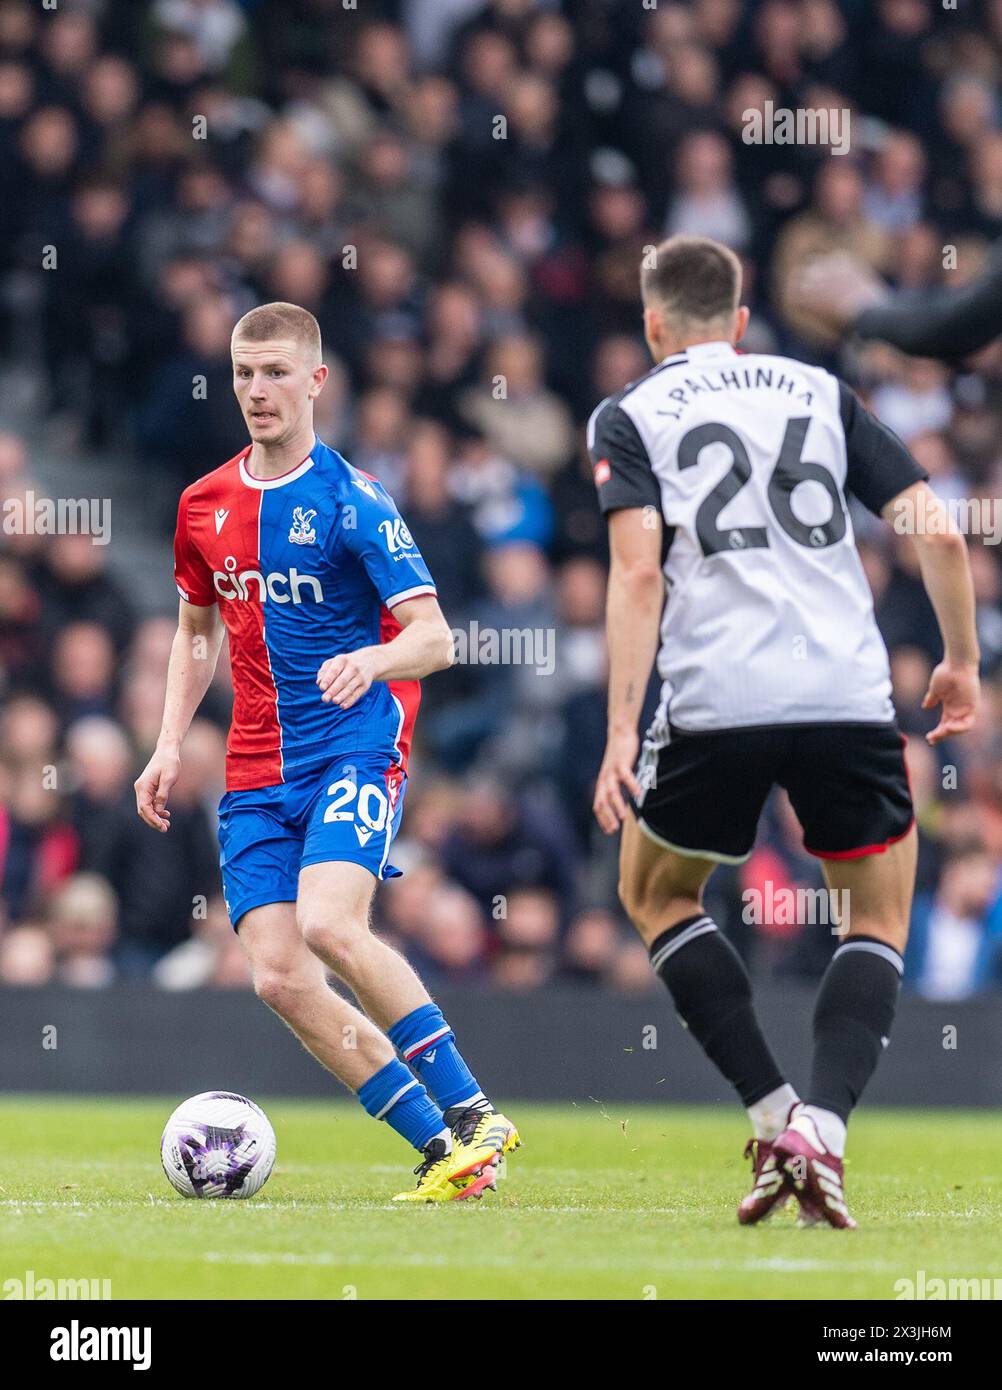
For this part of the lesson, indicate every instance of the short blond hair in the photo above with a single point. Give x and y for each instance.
(280, 320)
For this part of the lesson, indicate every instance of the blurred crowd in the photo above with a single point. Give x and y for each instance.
(460, 190)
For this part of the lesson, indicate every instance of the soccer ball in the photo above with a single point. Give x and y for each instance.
(218, 1144)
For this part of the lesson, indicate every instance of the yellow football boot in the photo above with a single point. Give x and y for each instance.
(452, 1177)
(483, 1131)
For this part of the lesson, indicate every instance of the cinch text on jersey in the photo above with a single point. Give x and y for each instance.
(230, 585)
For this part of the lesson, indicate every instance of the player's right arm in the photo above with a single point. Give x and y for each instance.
(633, 622)
(946, 575)
(193, 658)
(629, 496)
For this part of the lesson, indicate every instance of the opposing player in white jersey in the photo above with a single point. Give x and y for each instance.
(725, 478)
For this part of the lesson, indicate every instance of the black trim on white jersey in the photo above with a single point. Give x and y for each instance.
(624, 476)
(623, 473)
(879, 465)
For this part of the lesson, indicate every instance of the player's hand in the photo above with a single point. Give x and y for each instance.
(616, 772)
(836, 288)
(345, 679)
(153, 787)
(956, 687)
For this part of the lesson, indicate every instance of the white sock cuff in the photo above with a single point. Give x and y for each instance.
(769, 1115)
(831, 1128)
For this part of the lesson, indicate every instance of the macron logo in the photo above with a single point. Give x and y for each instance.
(366, 487)
(221, 516)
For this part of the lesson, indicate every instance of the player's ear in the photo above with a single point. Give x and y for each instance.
(741, 317)
(320, 375)
(653, 327)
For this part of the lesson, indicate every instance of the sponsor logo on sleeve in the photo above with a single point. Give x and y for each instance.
(396, 535)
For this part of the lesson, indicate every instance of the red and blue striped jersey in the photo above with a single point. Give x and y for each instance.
(303, 567)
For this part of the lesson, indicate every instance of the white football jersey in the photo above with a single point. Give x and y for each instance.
(749, 459)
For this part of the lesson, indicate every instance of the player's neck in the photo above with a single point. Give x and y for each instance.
(680, 345)
(272, 460)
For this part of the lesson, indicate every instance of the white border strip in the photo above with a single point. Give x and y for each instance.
(432, 1037)
(410, 593)
(393, 1099)
(693, 930)
(887, 953)
(693, 853)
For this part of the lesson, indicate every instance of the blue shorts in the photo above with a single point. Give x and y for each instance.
(349, 809)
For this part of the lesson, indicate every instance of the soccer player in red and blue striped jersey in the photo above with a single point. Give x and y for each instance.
(332, 620)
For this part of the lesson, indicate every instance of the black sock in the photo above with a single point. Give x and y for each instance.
(852, 1021)
(709, 984)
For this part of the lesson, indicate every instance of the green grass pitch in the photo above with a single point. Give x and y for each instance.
(602, 1201)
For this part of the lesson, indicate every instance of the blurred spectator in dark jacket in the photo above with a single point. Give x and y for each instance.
(379, 436)
(455, 333)
(590, 946)
(89, 315)
(496, 640)
(22, 639)
(191, 415)
(439, 524)
(160, 880)
(76, 587)
(528, 935)
(38, 846)
(503, 844)
(83, 671)
(451, 943)
(100, 776)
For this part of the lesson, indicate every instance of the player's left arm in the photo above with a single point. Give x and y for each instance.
(377, 535)
(423, 645)
(887, 480)
(946, 576)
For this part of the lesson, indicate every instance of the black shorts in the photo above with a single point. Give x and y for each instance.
(848, 785)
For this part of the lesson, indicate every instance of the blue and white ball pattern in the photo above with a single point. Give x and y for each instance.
(218, 1144)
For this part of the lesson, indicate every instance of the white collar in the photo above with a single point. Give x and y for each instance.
(265, 484)
(714, 349)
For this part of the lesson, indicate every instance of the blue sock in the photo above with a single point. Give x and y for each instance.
(428, 1044)
(394, 1095)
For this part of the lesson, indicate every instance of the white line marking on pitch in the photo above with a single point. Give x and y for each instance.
(773, 1266)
